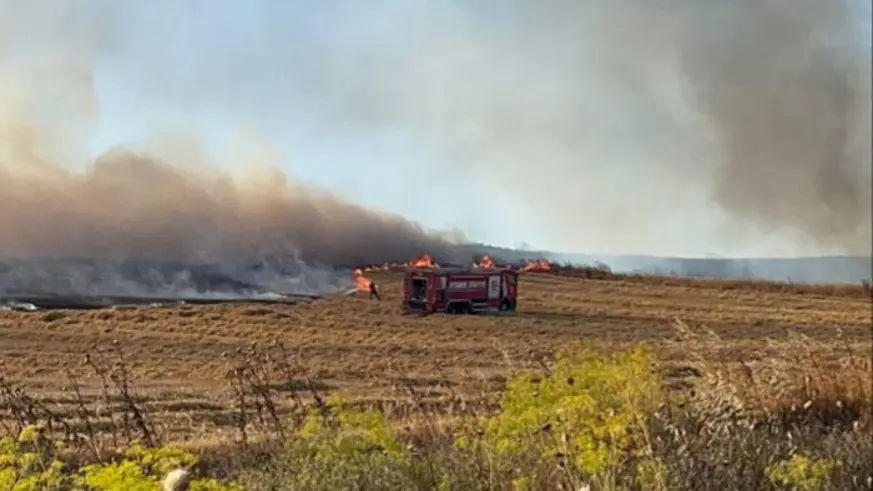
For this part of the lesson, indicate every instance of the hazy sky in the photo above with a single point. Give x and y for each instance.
(285, 73)
(216, 70)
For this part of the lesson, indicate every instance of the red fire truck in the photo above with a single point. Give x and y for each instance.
(459, 290)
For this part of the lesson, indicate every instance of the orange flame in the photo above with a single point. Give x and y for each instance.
(537, 265)
(485, 262)
(425, 261)
(361, 281)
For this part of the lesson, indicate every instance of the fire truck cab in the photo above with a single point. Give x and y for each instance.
(459, 290)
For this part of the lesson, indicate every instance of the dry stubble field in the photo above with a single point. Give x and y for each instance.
(179, 356)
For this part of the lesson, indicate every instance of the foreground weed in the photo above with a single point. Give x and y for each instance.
(802, 473)
(588, 420)
(340, 447)
(33, 462)
(587, 415)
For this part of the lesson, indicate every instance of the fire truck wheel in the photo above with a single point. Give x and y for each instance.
(505, 306)
(458, 308)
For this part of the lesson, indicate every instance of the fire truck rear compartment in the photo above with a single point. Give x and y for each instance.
(417, 298)
(419, 289)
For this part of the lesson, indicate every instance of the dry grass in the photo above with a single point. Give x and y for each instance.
(793, 358)
(178, 357)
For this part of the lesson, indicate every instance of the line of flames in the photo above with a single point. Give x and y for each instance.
(425, 261)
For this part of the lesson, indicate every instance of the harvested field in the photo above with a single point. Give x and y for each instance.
(178, 357)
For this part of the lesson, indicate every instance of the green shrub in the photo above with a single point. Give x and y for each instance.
(588, 415)
(343, 432)
(802, 473)
(590, 420)
(339, 447)
(29, 463)
(33, 462)
(584, 422)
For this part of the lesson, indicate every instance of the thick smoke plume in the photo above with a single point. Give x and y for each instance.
(129, 208)
(787, 94)
(677, 126)
(163, 218)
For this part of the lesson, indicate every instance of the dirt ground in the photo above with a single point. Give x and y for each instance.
(179, 356)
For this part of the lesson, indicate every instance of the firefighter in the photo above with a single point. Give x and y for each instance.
(373, 291)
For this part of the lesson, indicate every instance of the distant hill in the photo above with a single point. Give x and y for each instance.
(815, 269)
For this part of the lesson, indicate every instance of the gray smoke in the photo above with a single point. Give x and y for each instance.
(669, 126)
(162, 218)
(742, 125)
(132, 206)
(129, 217)
(787, 92)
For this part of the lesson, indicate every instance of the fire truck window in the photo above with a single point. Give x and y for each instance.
(419, 288)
